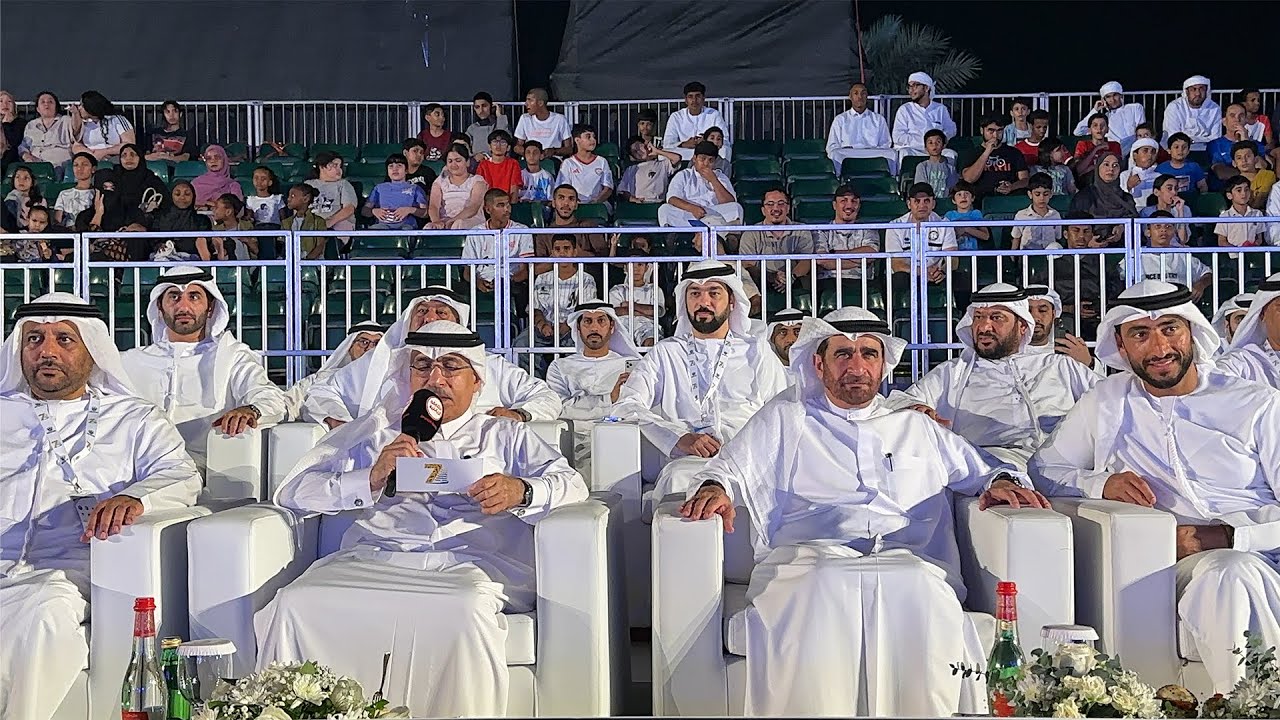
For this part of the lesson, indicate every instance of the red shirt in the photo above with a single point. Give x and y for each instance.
(504, 175)
(1084, 147)
(436, 146)
(1031, 153)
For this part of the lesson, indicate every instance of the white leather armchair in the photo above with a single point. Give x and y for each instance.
(558, 433)
(1126, 588)
(700, 577)
(616, 461)
(569, 656)
(147, 559)
(286, 444)
(233, 465)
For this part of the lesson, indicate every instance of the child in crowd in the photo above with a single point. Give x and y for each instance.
(1030, 146)
(396, 204)
(1244, 158)
(336, 201)
(937, 170)
(228, 216)
(645, 181)
(1037, 237)
(1165, 198)
(639, 303)
(298, 217)
(24, 196)
(31, 250)
(1145, 130)
(715, 136)
(535, 181)
(489, 117)
(967, 237)
(434, 135)
(1053, 162)
(1182, 268)
(78, 198)
(1239, 193)
(500, 170)
(586, 171)
(1139, 179)
(1191, 177)
(266, 203)
(647, 127)
(1092, 148)
(1018, 127)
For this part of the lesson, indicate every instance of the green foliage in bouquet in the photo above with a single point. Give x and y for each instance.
(1081, 683)
(1257, 694)
(295, 691)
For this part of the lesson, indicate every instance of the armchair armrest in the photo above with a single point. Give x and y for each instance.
(233, 465)
(1030, 547)
(1127, 584)
(239, 559)
(615, 468)
(689, 671)
(557, 433)
(147, 559)
(286, 444)
(583, 654)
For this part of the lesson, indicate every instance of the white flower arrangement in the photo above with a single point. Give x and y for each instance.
(295, 691)
(1079, 682)
(1257, 694)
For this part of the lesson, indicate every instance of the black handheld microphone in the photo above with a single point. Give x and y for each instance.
(421, 421)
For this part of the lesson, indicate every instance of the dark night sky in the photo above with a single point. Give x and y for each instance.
(1034, 45)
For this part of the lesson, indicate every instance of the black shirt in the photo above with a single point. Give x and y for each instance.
(1003, 165)
(175, 142)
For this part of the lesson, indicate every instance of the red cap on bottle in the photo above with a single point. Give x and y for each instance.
(144, 603)
(1006, 588)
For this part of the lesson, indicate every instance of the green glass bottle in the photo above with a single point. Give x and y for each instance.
(178, 707)
(1004, 667)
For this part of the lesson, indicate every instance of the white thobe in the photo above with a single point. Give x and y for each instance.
(44, 568)
(1258, 363)
(1122, 124)
(858, 135)
(430, 573)
(911, 122)
(1007, 406)
(1209, 456)
(689, 186)
(1048, 349)
(682, 125)
(640, 327)
(665, 394)
(585, 385)
(342, 395)
(197, 383)
(858, 572)
(1202, 124)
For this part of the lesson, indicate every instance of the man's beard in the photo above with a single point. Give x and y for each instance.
(187, 324)
(855, 391)
(709, 326)
(1004, 347)
(598, 342)
(1184, 365)
(66, 378)
(1041, 334)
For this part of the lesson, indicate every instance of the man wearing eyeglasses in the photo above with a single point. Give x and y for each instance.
(361, 338)
(776, 275)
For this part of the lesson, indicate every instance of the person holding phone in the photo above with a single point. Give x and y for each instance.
(1050, 334)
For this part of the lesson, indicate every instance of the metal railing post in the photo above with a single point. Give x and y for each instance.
(919, 299)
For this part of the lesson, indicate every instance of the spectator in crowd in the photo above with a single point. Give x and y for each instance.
(434, 135)
(1166, 199)
(1246, 162)
(715, 136)
(647, 127)
(550, 129)
(920, 203)
(1194, 114)
(497, 212)
(1037, 237)
(1052, 161)
(180, 217)
(1083, 279)
(216, 180)
(499, 170)
(130, 191)
(1123, 118)
(1089, 152)
(687, 127)
(1191, 177)
(645, 180)
(845, 204)
(10, 127)
(266, 204)
(1029, 146)
(48, 137)
(776, 205)
(1221, 149)
(361, 338)
(999, 168)
(1227, 319)
(1255, 345)
(639, 303)
(920, 114)
(457, 197)
(860, 132)
(564, 216)
(298, 217)
(963, 197)
(1019, 126)
(535, 182)
(31, 250)
(228, 216)
(223, 382)
(336, 198)
(938, 170)
(1256, 121)
(1046, 307)
(1139, 180)
(24, 196)
(99, 128)
(1239, 194)
(489, 118)
(79, 197)
(396, 204)
(1105, 198)
(170, 141)
(555, 294)
(1182, 268)
(586, 171)
(700, 195)
(782, 332)
(418, 171)
(983, 393)
(1145, 130)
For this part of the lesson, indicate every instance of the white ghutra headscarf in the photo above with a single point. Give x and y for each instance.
(108, 373)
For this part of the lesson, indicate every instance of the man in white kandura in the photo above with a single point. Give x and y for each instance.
(1227, 319)
(195, 370)
(919, 115)
(783, 332)
(1045, 305)
(590, 380)
(996, 395)
(1194, 114)
(695, 390)
(351, 391)
(77, 439)
(1175, 433)
(860, 132)
(686, 127)
(1123, 118)
(700, 194)
(432, 572)
(858, 572)
(360, 339)
(1255, 349)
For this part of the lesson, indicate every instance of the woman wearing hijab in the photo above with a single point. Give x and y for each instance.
(130, 190)
(180, 216)
(217, 180)
(1105, 199)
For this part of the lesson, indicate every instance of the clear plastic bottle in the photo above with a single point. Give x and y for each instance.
(143, 696)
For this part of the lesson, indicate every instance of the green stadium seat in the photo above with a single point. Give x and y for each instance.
(50, 190)
(1208, 205)
(766, 169)
(346, 150)
(374, 172)
(437, 166)
(907, 171)
(237, 151)
(805, 148)
(752, 213)
(851, 296)
(243, 171)
(755, 189)
(882, 210)
(756, 149)
(818, 188)
(944, 205)
(608, 150)
(528, 213)
(801, 299)
(629, 214)
(813, 210)
(1003, 207)
(39, 170)
(383, 242)
(962, 143)
(808, 169)
(593, 211)
(551, 165)
(439, 246)
(378, 152)
(162, 169)
(246, 186)
(189, 169)
(858, 167)
(376, 253)
(1061, 203)
(875, 185)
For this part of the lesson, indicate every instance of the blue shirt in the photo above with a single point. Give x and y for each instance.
(395, 195)
(1189, 175)
(964, 242)
(1220, 150)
